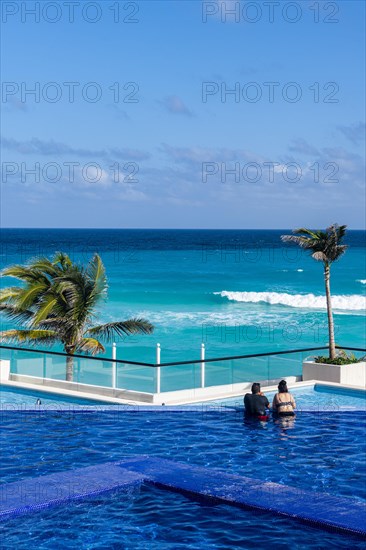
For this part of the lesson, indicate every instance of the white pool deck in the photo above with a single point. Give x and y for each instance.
(161, 399)
(119, 396)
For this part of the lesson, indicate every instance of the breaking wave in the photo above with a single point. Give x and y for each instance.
(354, 302)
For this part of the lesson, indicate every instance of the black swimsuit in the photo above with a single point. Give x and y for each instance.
(284, 404)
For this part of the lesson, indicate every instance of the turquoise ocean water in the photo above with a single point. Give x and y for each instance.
(238, 292)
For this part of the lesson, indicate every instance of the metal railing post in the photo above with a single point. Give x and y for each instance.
(202, 365)
(158, 374)
(78, 362)
(114, 366)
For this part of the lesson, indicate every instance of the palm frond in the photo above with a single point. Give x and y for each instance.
(45, 266)
(30, 295)
(31, 337)
(325, 245)
(341, 249)
(91, 345)
(45, 308)
(23, 273)
(82, 289)
(304, 242)
(339, 230)
(319, 256)
(308, 232)
(10, 294)
(97, 275)
(14, 314)
(109, 331)
(62, 259)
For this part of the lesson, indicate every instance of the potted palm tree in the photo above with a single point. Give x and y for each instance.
(327, 247)
(57, 302)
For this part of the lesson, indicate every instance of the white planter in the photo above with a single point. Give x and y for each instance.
(4, 370)
(353, 374)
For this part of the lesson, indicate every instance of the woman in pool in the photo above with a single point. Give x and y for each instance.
(283, 402)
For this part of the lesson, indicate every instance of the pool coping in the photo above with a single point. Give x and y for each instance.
(111, 404)
(123, 396)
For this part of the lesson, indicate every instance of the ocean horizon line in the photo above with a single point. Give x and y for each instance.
(161, 228)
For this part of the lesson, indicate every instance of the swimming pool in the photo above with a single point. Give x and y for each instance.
(318, 397)
(147, 518)
(19, 398)
(323, 452)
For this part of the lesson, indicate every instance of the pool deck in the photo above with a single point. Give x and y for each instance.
(201, 393)
(218, 393)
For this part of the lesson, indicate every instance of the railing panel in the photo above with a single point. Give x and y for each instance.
(180, 377)
(29, 364)
(280, 366)
(150, 378)
(136, 378)
(251, 370)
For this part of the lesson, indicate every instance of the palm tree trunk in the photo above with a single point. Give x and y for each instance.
(332, 349)
(69, 365)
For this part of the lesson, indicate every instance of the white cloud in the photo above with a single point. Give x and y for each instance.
(175, 105)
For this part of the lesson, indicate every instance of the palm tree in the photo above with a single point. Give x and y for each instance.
(325, 247)
(57, 303)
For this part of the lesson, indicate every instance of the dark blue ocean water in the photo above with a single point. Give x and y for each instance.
(236, 291)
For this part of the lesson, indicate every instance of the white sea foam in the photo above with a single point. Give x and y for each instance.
(287, 270)
(353, 302)
(199, 318)
(362, 281)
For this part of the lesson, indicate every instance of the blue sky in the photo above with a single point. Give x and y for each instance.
(173, 150)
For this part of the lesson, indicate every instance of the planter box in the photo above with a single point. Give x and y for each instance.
(4, 370)
(353, 374)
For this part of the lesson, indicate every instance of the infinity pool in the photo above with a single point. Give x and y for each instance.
(18, 398)
(319, 397)
(152, 519)
(308, 398)
(322, 451)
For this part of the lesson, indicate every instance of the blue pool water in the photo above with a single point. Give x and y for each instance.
(316, 398)
(152, 519)
(320, 452)
(323, 452)
(18, 398)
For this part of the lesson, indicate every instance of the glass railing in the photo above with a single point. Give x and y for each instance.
(94, 371)
(229, 371)
(153, 378)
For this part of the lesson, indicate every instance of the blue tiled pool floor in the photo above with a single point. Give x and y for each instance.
(147, 518)
(324, 511)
